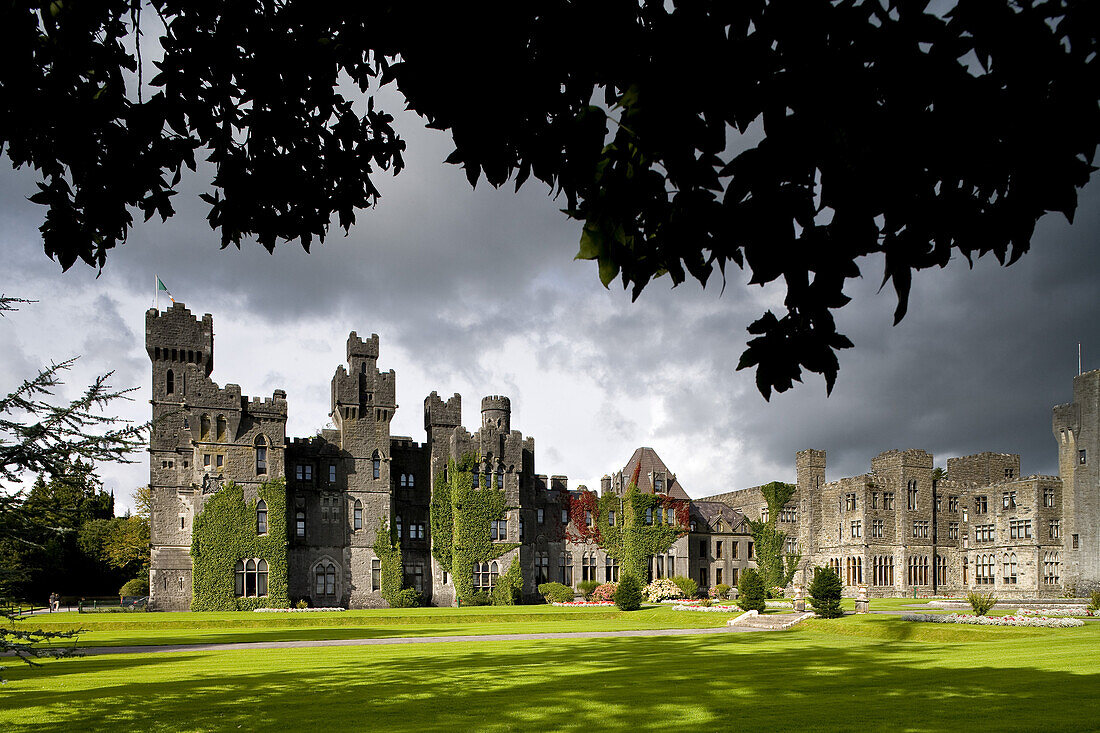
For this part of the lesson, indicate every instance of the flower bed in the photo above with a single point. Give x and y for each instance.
(1057, 612)
(297, 610)
(778, 604)
(585, 603)
(708, 609)
(960, 618)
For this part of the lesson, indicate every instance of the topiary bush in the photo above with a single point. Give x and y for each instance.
(556, 593)
(751, 591)
(605, 592)
(405, 598)
(628, 596)
(663, 590)
(720, 591)
(687, 586)
(825, 590)
(135, 587)
(587, 586)
(981, 602)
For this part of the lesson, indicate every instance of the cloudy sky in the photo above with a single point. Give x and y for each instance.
(477, 292)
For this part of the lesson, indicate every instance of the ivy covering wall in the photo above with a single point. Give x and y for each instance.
(630, 540)
(224, 533)
(777, 567)
(460, 517)
(388, 551)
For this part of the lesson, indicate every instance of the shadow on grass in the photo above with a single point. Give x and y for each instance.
(777, 681)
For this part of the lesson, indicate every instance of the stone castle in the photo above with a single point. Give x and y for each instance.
(901, 528)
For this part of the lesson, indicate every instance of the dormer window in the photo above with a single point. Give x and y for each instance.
(658, 485)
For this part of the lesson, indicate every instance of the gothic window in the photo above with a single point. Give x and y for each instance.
(170, 385)
(404, 482)
(565, 567)
(500, 478)
(261, 517)
(1055, 528)
(397, 522)
(542, 567)
(376, 465)
(358, 515)
(300, 523)
(325, 577)
(375, 574)
(611, 570)
(222, 428)
(204, 429)
(261, 456)
(250, 579)
(411, 480)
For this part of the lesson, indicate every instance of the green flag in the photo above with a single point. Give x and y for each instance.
(162, 287)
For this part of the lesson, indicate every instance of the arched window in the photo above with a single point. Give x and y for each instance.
(410, 480)
(261, 517)
(261, 455)
(1012, 568)
(494, 571)
(250, 578)
(376, 465)
(204, 430)
(221, 428)
(500, 478)
(261, 578)
(397, 522)
(404, 481)
(238, 583)
(170, 384)
(300, 523)
(358, 515)
(325, 579)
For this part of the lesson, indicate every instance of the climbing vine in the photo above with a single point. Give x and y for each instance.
(460, 516)
(388, 551)
(644, 524)
(225, 533)
(776, 566)
(508, 586)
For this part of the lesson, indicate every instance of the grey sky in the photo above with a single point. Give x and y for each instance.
(476, 291)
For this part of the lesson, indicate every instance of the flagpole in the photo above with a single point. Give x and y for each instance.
(156, 292)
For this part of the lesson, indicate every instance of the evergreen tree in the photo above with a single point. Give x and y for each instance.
(825, 590)
(751, 591)
(628, 596)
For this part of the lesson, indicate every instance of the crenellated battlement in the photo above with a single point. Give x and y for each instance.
(360, 348)
(440, 414)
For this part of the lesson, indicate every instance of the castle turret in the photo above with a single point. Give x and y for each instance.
(496, 412)
(1076, 428)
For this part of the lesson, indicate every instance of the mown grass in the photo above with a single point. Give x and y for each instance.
(857, 673)
(211, 628)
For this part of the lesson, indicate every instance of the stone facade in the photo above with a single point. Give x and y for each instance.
(894, 528)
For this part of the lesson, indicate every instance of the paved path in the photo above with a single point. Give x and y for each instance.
(167, 648)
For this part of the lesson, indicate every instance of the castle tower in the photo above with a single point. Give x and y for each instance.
(496, 412)
(1076, 428)
(809, 478)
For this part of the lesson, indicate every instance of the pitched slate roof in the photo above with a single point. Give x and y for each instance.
(652, 463)
(709, 513)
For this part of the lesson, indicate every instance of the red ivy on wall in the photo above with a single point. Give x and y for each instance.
(579, 503)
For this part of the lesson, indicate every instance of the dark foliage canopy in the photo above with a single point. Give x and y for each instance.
(790, 137)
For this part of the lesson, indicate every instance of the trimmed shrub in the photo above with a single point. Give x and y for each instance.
(981, 602)
(135, 587)
(663, 590)
(405, 598)
(751, 591)
(688, 586)
(720, 591)
(825, 590)
(1094, 604)
(628, 596)
(481, 598)
(586, 587)
(605, 592)
(556, 593)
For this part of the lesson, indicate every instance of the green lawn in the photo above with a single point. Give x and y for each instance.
(856, 673)
(205, 628)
